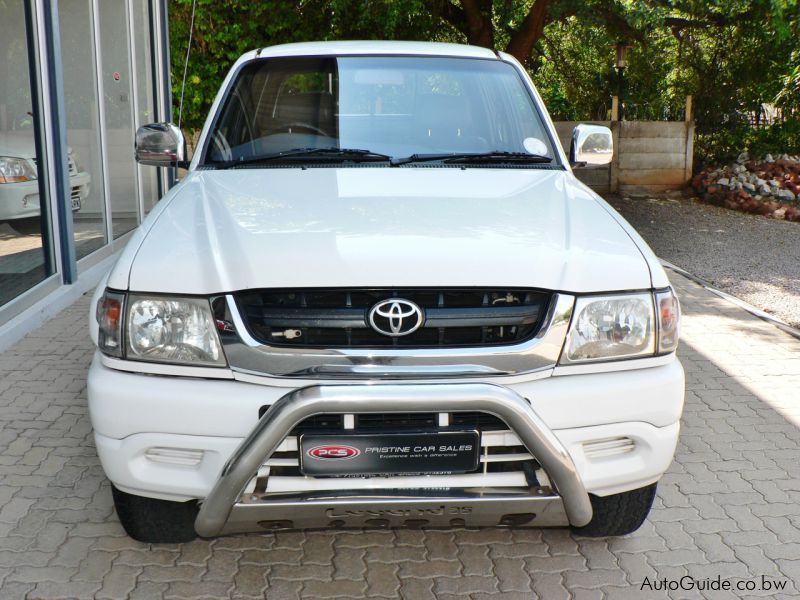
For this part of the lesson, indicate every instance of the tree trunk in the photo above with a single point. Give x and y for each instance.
(480, 31)
(529, 32)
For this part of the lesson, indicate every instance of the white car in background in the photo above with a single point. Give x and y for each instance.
(19, 185)
(381, 298)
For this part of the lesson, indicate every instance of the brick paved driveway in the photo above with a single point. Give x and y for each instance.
(730, 504)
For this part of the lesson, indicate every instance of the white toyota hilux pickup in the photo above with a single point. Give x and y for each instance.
(381, 298)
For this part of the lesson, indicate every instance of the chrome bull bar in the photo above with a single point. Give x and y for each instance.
(221, 505)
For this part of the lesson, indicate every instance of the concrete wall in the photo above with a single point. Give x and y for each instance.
(649, 156)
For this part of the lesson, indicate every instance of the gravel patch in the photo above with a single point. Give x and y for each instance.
(751, 257)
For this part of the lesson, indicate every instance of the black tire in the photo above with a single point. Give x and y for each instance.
(155, 521)
(28, 226)
(618, 514)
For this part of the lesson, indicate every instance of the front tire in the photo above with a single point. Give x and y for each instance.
(618, 514)
(155, 521)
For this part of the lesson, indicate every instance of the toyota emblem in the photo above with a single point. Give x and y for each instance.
(395, 317)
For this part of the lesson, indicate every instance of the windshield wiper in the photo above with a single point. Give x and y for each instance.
(329, 154)
(484, 157)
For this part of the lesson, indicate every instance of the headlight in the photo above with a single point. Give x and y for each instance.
(15, 170)
(172, 330)
(622, 326)
(610, 327)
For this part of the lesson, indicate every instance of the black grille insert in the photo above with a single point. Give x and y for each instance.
(338, 318)
(378, 422)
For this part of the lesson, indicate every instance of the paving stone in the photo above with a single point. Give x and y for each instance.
(318, 548)
(173, 573)
(95, 565)
(334, 589)
(550, 586)
(208, 591)
(714, 547)
(392, 554)
(440, 544)
(475, 560)
(301, 572)
(382, 580)
(417, 589)
(756, 561)
(143, 555)
(25, 574)
(15, 591)
(512, 575)
(221, 567)
(251, 580)
(71, 589)
(283, 590)
(119, 583)
(470, 584)
(431, 569)
(348, 563)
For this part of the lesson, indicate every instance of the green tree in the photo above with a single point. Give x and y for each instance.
(733, 56)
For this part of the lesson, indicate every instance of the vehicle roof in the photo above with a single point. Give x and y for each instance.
(366, 47)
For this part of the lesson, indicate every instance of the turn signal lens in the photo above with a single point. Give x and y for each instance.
(669, 316)
(109, 319)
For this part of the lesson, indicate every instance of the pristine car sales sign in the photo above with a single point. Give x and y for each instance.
(390, 453)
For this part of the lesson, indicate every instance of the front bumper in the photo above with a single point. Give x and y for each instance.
(224, 501)
(132, 414)
(21, 200)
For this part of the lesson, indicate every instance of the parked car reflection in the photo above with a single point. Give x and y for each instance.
(19, 188)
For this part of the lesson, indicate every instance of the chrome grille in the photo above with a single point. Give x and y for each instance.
(338, 318)
(502, 453)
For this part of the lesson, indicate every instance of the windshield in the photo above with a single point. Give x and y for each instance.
(396, 106)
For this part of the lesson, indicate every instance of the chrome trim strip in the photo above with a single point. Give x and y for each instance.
(166, 369)
(299, 404)
(247, 355)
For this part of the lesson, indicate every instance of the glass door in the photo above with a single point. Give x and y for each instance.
(116, 89)
(144, 92)
(83, 125)
(25, 259)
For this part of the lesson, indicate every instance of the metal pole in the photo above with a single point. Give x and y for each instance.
(58, 140)
(39, 124)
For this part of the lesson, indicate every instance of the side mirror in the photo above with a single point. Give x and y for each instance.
(591, 145)
(160, 145)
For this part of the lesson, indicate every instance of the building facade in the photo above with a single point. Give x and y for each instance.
(77, 77)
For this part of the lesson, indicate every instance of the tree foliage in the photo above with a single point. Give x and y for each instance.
(733, 56)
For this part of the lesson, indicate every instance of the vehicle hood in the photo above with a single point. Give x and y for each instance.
(382, 227)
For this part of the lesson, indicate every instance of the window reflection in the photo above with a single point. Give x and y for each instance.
(145, 95)
(83, 122)
(23, 259)
(118, 109)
